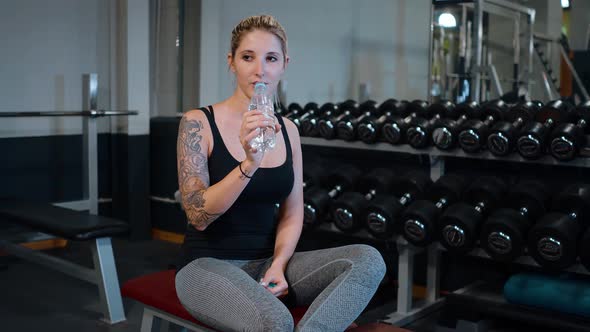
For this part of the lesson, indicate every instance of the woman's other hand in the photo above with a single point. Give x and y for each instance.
(274, 280)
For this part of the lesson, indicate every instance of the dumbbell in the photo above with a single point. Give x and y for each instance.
(370, 129)
(349, 210)
(312, 174)
(475, 132)
(317, 200)
(293, 110)
(553, 240)
(309, 126)
(585, 250)
(394, 131)
(445, 132)
(347, 129)
(327, 125)
(384, 211)
(420, 219)
(310, 110)
(504, 233)
(568, 138)
(460, 223)
(503, 136)
(419, 132)
(534, 135)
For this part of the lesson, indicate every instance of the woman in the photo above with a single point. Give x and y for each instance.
(238, 261)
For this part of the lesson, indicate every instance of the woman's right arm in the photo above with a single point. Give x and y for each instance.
(203, 203)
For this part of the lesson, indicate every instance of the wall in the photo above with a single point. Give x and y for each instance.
(579, 24)
(334, 46)
(47, 46)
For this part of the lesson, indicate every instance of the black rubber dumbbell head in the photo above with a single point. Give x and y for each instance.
(553, 241)
(317, 200)
(460, 223)
(383, 213)
(504, 233)
(349, 210)
(309, 126)
(419, 220)
(567, 138)
(503, 136)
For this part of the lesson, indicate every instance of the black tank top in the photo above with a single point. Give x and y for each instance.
(247, 229)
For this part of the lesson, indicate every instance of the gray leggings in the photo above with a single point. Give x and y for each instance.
(335, 283)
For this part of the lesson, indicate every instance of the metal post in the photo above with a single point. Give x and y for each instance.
(430, 54)
(516, 61)
(531, 49)
(107, 281)
(405, 277)
(90, 144)
(478, 17)
(433, 274)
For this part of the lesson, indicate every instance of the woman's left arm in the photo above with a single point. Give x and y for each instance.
(291, 210)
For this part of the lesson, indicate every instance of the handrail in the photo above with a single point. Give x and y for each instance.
(91, 113)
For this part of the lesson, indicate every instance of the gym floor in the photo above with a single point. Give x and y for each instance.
(35, 298)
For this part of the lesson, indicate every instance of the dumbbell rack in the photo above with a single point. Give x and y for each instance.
(407, 311)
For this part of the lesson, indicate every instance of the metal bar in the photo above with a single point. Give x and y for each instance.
(493, 9)
(430, 54)
(567, 60)
(147, 321)
(433, 274)
(531, 50)
(544, 37)
(516, 60)
(52, 262)
(422, 309)
(89, 113)
(90, 142)
(405, 277)
(107, 281)
(478, 17)
(546, 85)
(496, 79)
(437, 167)
(174, 319)
(511, 5)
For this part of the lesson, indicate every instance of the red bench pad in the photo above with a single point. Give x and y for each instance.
(157, 290)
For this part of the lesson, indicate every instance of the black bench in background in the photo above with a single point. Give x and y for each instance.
(74, 226)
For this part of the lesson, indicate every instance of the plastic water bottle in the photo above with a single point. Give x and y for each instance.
(261, 101)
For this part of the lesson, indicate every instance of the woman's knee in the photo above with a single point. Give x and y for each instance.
(278, 319)
(370, 259)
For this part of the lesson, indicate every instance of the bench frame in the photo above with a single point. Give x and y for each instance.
(103, 274)
(163, 319)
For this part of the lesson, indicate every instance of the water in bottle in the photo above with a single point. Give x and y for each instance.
(261, 101)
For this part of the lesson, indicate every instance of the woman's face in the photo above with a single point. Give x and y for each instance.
(258, 58)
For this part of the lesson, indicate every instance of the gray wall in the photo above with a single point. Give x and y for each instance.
(579, 24)
(334, 46)
(48, 45)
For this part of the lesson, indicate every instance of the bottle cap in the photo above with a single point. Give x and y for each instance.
(260, 87)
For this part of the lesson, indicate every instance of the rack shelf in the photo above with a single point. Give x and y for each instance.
(407, 310)
(434, 152)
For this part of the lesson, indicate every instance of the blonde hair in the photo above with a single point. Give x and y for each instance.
(260, 22)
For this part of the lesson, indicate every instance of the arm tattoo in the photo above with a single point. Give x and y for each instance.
(193, 173)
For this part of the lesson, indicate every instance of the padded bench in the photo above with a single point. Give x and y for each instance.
(157, 293)
(74, 226)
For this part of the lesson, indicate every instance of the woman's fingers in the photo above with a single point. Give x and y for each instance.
(259, 124)
(250, 136)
